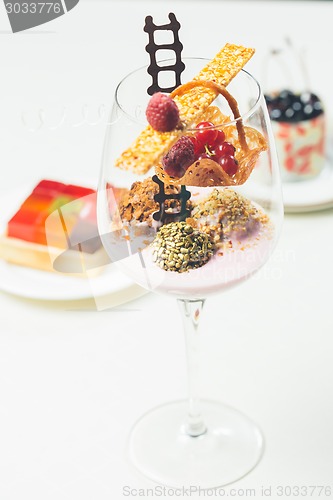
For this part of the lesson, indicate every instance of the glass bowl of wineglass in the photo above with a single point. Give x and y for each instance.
(190, 233)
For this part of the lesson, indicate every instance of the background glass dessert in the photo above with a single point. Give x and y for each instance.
(297, 115)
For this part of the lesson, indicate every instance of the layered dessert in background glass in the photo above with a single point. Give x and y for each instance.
(297, 115)
(298, 122)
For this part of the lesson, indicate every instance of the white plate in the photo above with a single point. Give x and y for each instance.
(310, 195)
(41, 285)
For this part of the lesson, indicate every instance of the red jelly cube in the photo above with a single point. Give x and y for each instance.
(28, 226)
(77, 191)
(50, 188)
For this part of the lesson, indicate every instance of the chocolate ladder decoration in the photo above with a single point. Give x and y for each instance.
(161, 196)
(154, 69)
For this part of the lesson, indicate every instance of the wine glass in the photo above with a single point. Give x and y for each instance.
(192, 443)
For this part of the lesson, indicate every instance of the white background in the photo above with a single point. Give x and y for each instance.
(73, 379)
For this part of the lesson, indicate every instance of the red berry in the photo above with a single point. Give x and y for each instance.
(229, 164)
(162, 113)
(220, 137)
(179, 157)
(206, 134)
(198, 147)
(224, 149)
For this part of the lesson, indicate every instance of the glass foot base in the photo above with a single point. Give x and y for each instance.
(161, 450)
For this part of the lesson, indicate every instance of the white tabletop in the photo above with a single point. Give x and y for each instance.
(75, 375)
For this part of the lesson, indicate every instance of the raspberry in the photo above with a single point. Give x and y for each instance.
(179, 157)
(162, 113)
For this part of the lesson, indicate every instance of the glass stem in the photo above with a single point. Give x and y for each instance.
(191, 312)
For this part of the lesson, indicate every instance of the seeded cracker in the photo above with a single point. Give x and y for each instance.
(150, 145)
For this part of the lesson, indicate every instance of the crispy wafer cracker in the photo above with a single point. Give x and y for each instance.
(150, 145)
(207, 172)
(202, 173)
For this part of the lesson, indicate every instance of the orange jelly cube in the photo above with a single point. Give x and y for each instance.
(37, 203)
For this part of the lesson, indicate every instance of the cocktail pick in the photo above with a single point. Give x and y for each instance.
(154, 69)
